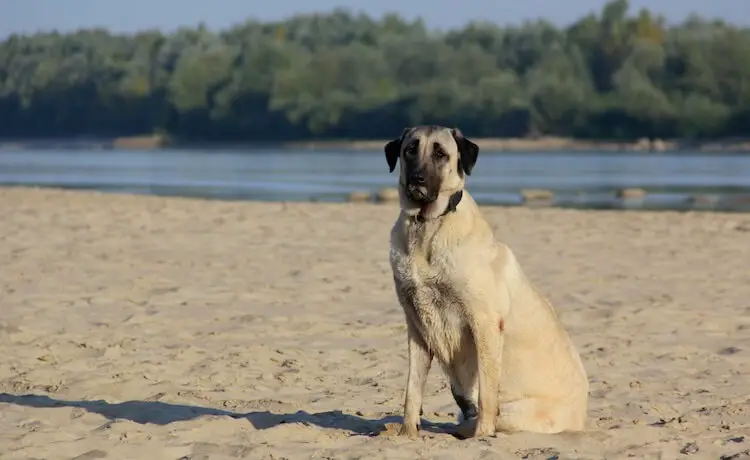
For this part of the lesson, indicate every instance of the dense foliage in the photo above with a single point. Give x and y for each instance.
(346, 76)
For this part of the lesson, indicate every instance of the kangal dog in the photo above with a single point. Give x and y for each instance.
(467, 302)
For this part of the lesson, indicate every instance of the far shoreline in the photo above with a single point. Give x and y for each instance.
(537, 144)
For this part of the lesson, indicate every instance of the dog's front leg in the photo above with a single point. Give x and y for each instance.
(420, 360)
(488, 339)
(489, 343)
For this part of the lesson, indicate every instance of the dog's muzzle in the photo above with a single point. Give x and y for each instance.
(417, 189)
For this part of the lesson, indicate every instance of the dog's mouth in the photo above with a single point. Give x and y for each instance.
(420, 195)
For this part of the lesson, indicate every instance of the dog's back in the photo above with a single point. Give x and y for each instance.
(538, 356)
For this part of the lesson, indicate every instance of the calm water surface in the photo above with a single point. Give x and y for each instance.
(579, 179)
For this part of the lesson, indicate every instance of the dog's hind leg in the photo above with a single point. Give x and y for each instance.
(465, 386)
(465, 391)
(540, 415)
(466, 403)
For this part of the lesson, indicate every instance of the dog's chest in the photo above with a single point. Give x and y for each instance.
(431, 303)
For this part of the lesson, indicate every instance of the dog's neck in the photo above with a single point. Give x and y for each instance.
(453, 201)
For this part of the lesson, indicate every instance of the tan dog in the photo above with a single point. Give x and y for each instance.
(469, 305)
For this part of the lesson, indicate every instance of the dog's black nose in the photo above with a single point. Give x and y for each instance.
(417, 178)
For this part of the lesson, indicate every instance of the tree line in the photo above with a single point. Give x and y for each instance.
(611, 75)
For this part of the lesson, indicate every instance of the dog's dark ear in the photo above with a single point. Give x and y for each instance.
(392, 152)
(467, 150)
(393, 149)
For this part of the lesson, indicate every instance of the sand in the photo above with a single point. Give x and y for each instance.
(137, 327)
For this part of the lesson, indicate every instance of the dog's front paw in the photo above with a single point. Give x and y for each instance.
(484, 429)
(411, 430)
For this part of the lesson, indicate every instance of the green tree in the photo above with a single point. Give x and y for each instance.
(609, 75)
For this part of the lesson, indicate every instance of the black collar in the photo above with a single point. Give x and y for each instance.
(452, 205)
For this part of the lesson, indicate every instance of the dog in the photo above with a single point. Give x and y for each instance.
(468, 304)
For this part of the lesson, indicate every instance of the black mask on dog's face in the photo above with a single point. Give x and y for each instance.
(430, 156)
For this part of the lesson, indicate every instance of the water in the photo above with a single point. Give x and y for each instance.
(579, 179)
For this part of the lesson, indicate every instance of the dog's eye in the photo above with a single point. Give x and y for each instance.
(438, 152)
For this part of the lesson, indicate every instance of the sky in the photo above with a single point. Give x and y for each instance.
(28, 16)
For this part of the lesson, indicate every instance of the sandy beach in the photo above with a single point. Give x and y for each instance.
(136, 327)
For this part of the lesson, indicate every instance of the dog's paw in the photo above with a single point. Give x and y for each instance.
(472, 429)
(411, 431)
(484, 430)
(466, 429)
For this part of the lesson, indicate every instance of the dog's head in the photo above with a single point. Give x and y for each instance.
(434, 163)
